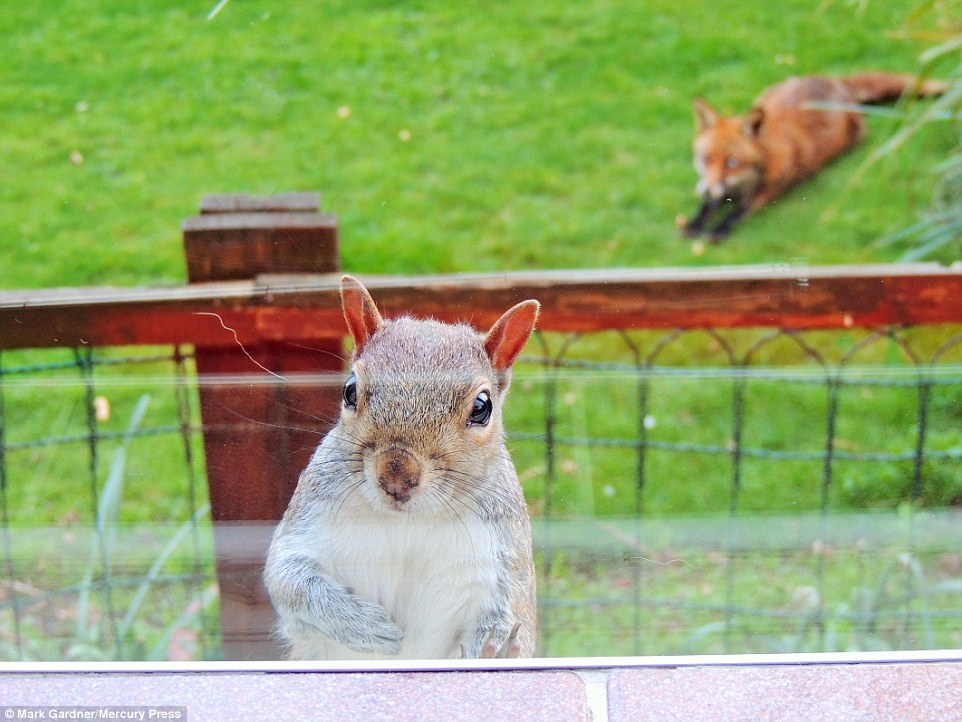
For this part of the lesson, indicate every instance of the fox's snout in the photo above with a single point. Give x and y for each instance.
(716, 190)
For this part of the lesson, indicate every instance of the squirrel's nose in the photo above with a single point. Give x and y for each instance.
(398, 473)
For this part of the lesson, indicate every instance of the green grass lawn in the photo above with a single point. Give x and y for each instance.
(454, 137)
(447, 137)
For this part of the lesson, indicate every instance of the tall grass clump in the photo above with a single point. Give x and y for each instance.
(139, 596)
(938, 232)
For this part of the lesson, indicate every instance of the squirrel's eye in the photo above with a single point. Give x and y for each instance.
(731, 162)
(350, 392)
(481, 410)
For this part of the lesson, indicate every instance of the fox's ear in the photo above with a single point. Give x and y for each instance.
(753, 122)
(705, 116)
(362, 316)
(508, 336)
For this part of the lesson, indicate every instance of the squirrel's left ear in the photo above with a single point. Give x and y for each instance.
(508, 336)
(362, 316)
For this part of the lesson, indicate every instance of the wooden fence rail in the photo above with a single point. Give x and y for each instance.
(270, 307)
(263, 294)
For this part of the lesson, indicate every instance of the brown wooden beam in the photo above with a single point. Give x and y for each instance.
(257, 436)
(224, 246)
(306, 306)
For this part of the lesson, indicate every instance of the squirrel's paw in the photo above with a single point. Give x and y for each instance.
(369, 628)
(357, 624)
(509, 649)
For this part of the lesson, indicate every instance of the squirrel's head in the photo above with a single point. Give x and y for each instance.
(423, 402)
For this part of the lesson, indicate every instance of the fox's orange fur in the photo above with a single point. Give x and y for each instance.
(744, 162)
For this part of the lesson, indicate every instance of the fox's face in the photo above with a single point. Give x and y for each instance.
(727, 158)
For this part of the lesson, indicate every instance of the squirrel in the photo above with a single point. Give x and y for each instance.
(408, 535)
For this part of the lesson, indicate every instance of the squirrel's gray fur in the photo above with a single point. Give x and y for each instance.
(408, 534)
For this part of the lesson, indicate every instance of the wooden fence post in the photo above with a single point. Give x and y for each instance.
(259, 431)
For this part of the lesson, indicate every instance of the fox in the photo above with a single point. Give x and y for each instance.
(745, 162)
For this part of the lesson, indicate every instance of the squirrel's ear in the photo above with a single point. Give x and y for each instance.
(705, 115)
(362, 316)
(508, 336)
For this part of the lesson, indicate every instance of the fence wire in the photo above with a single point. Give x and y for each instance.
(856, 431)
(691, 492)
(83, 459)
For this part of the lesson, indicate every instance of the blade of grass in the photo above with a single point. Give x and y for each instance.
(107, 511)
(208, 597)
(155, 568)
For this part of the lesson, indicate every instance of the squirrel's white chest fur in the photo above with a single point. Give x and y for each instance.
(434, 575)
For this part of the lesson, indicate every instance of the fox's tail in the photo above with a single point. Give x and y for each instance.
(873, 88)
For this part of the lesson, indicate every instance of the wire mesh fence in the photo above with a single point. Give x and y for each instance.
(708, 492)
(692, 492)
(106, 528)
